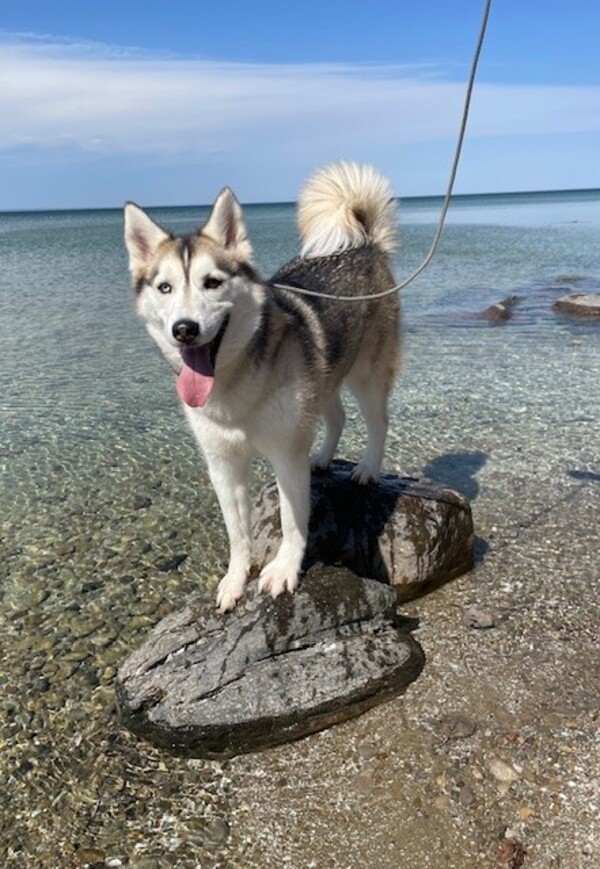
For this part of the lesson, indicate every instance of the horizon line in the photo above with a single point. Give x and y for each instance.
(401, 199)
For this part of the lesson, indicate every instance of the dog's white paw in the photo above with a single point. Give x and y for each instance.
(278, 576)
(230, 590)
(364, 473)
(320, 461)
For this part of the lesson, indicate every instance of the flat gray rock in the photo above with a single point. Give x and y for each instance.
(412, 534)
(213, 685)
(580, 304)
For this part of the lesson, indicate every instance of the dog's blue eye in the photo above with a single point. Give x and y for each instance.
(164, 287)
(212, 283)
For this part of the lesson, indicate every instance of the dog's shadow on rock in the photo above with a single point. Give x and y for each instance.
(347, 520)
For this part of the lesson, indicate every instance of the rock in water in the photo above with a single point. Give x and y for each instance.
(214, 685)
(500, 312)
(580, 304)
(412, 534)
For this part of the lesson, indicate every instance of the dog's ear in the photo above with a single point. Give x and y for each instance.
(142, 236)
(226, 225)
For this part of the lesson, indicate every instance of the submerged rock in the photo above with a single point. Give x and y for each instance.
(213, 685)
(412, 534)
(581, 304)
(499, 312)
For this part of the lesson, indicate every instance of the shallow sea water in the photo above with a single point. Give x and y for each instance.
(108, 519)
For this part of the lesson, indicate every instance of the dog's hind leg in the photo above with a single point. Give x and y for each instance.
(334, 419)
(372, 399)
(229, 476)
(293, 482)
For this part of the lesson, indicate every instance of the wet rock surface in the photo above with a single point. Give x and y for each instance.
(410, 533)
(579, 304)
(211, 684)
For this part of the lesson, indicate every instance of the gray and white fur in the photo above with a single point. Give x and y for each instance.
(259, 365)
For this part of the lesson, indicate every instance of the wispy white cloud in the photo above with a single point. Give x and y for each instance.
(107, 99)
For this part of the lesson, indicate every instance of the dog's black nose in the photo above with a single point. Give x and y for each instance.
(185, 331)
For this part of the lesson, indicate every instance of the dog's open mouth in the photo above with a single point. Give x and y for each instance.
(197, 377)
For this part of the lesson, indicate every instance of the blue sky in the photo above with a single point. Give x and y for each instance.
(165, 103)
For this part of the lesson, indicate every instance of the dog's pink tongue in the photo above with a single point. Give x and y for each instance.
(196, 378)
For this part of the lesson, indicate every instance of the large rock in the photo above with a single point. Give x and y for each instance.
(412, 534)
(580, 304)
(215, 685)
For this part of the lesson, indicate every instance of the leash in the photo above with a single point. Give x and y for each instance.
(447, 198)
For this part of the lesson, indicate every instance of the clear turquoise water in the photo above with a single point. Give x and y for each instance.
(89, 415)
(81, 380)
(108, 520)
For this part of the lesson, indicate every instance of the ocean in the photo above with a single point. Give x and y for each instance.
(108, 520)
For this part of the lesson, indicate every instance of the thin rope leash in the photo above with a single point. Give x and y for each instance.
(447, 199)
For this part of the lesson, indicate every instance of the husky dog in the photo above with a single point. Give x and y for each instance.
(258, 365)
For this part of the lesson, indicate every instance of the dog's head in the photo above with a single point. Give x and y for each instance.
(187, 285)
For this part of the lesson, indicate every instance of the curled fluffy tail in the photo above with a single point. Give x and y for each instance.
(346, 205)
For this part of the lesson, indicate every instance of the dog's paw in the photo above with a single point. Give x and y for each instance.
(278, 576)
(363, 473)
(320, 461)
(230, 590)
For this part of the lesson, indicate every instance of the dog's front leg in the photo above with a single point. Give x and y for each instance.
(293, 482)
(229, 476)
